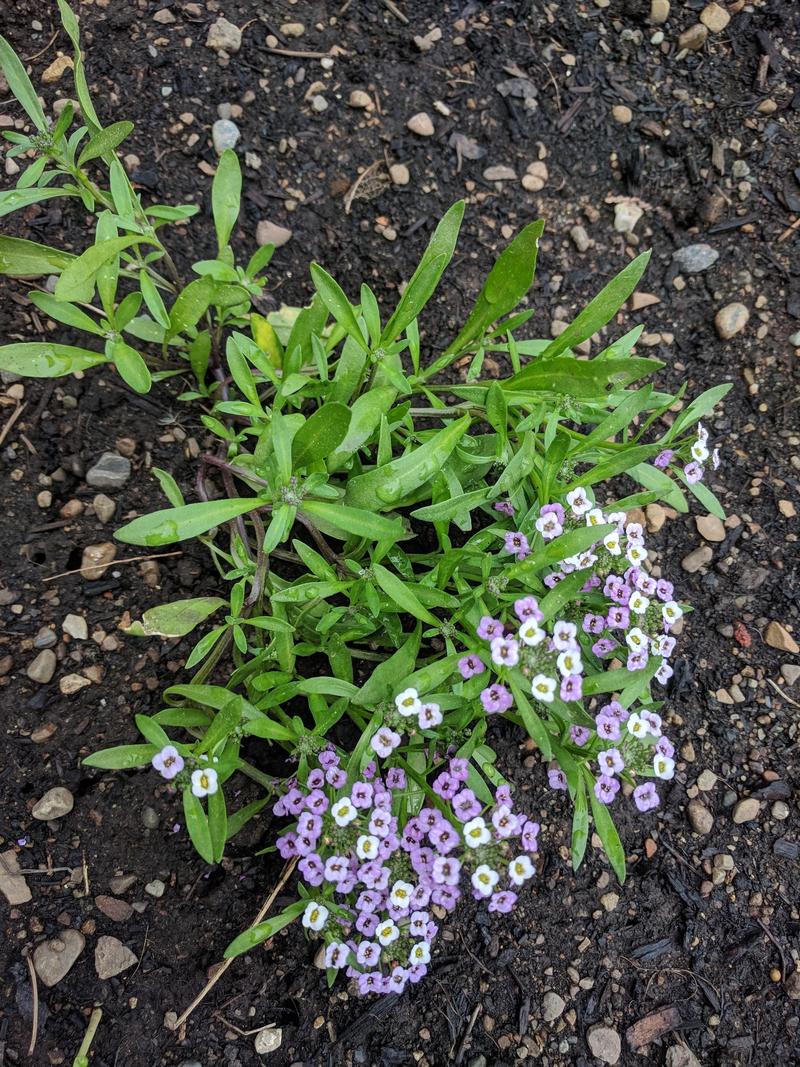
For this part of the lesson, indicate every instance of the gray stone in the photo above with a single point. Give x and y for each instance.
(695, 258)
(53, 959)
(626, 214)
(12, 881)
(45, 638)
(795, 339)
(681, 1056)
(224, 134)
(552, 1006)
(700, 818)
(746, 810)
(697, 559)
(104, 507)
(731, 320)
(121, 883)
(268, 1040)
(500, 173)
(76, 627)
(421, 124)
(580, 238)
(43, 667)
(155, 888)
(223, 36)
(270, 233)
(150, 818)
(56, 802)
(111, 957)
(110, 472)
(319, 103)
(604, 1043)
(790, 672)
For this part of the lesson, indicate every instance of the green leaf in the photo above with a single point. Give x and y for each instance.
(41, 359)
(337, 303)
(580, 377)
(180, 524)
(26, 259)
(176, 619)
(533, 724)
(69, 314)
(122, 757)
(580, 824)
(264, 931)
(70, 23)
(365, 417)
(569, 544)
(20, 84)
(607, 832)
(404, 597)
(704, 495)
(699, 407)
(602, 309)
(217, 824)
(224, 723)
(320, 435)
(226, 193)
(621, 418)
(452, 508)
(78, 280)
(393, 481)
(190, 305)
(197, 825)
(132, 368)
(152, 299)
(105, 141)
(388, 677)
(653, 478)
(169, 487)
(509, 280)
(16, 199)
(345, 521)
(333, 687)
(426, 277)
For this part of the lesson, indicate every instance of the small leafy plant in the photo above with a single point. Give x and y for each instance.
(384, 529)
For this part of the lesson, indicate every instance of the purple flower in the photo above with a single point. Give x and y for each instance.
(370, 982)
(502, 794)
(604, 647)
(396, 778)
(446, 896)
(368, 953)
(552, 580)
(286, 845)
(665, 747)
(361, 795)
(316, 779)
(606, 788)
(369, 901)
(168, 762)
(665, 590)
(572, 687)
(367, 923)
(470, 665)
(615, 710)
(637, 660)
(384, 741)
(336, 777)
(328, 758)
(517, 544)
(503, 901)
(580, 735)
(445, 785)
(593, 624)
(312, 869)
(444, 838)
(554, 509)
(446, 870)
(529, 836)
(608, 728)
(396, 981)
(505, 507)
(527, 607)
(309, 824)
(663, 459)
(294, 801)
(645, 796)
(557, 779)
(459, 769)
(505, 822)
(466, 805)
(610, 761)
(489, 628)
(694, 472)
(317, 802)
(618, 617)
(496, 699)
(617, 589)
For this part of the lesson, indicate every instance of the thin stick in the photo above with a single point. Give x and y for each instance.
(12, 418)
(35, 1021)
(789, 230)
(284, 878)
(300, 55)
(395, 10)
(115, 562)
(348, 200)
(785, 696)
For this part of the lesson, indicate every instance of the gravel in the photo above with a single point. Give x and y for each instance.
(111, 471)
(111, 957)
(731, 320)
(42, 668)
(56, 802)
(53, 959)
(695, 258)
(224, 134)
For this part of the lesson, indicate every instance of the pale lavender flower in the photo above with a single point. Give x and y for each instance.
(557, 779)
(168, 762)
(496, 698)
(489, 628)
(470, 665)
(645, 796)
(610, 761)
(579, 735)
(663, 459)
(527, 607)
(502, 901)
(694, 472)
(606, 788)
(517, 544)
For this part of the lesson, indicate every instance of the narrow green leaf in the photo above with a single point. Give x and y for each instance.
(105, 141)
(197, 825)
(404, 597)
(320, 435)
(16, 199)
(226, 193)
(41, 359)
(69, 314)
(176, 619)
(342, 521)
(121, 758)
(26, 259)
(255, 935)
(337, 303)
(77, 282)
(132, 368)
(607, 832)
(583, 378)
(180, 524)
(20, 84)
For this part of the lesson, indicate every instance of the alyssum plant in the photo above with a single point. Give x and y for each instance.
(409, 561)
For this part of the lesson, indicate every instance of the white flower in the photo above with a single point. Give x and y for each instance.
(663, 766)
(520, 870)
(653, 722)
(595, 517)
(619, 518)
(715, 460)
(505, 651)
(387, 932)
(637, 727)
(638, 603)
(585, 560)
(548, 526)
(636, 554)
(671, 612)
(367, 846)
(429, 715)
(343, 812)
(564, 634)
(664, 672)
(484, 879)
(315, 916)
(476, 832)
(611, 542)
(408, 703)
(204, 782)
(635, 533)
(578, 501)
(636, 639)
(531, 634)
(543, 688)
(569, 662)
(420, 953)
(699, 452)
(702, 433)
(400, 894)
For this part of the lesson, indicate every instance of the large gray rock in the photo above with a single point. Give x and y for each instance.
(111, 957)
(56, 802)
(110, 472)
(53, 959)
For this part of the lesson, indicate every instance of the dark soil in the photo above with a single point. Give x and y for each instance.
(712, 955)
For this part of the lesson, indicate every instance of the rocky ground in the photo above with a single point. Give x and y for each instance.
(626, 125)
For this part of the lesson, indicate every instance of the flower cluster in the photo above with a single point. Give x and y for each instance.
(170, 764)
(374, 875)
(694, 469)
(620, 618)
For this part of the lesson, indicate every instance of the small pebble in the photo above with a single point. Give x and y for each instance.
(421, 124)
